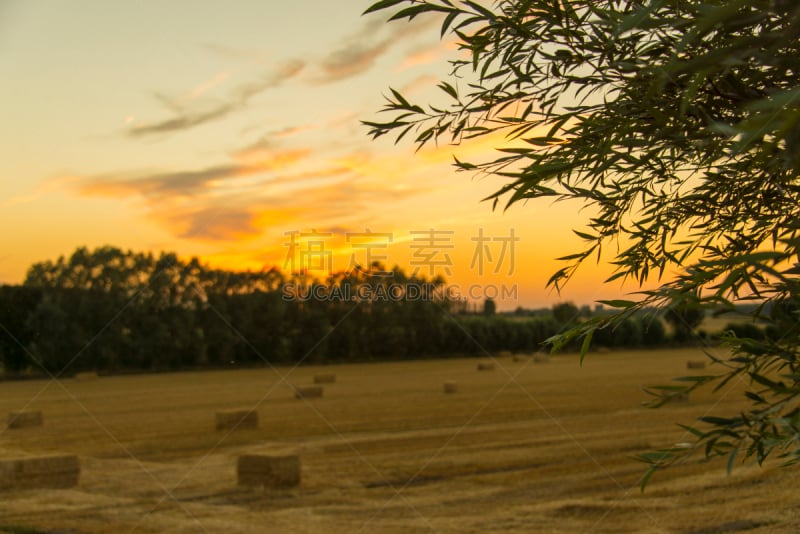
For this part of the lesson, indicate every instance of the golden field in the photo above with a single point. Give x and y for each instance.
(526, 447)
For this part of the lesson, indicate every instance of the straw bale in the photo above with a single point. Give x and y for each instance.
(450, 387)
(237, 419)
(541, 357)
(88, 375)
(25, 418)
(676, 396)
(268, 470)
(35, 472)
(307, 392)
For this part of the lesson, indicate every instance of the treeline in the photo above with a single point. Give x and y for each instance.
(109, 310)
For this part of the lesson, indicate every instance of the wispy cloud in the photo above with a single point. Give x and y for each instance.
(427, 54)
(230, 222)
(188, 183)
(355, 55)
(195, 111)
(261, 187)
(20, 199)
(358, 52)
(206, 86)
(271, 208)
(291, 131)
(423, 81)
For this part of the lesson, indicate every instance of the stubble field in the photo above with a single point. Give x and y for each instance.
(526, 447)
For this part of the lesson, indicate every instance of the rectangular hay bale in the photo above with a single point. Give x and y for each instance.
(326, 378)
(486, 366)
(695, 364)
(307, 392)
(269, 471)
(237, 419)
(39, 472)
(25, 418)
(7, 474)
(541, 357)
(676, 396)
(450, 387)
(84, 376)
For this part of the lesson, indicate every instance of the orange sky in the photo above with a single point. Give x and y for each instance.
(218, 134)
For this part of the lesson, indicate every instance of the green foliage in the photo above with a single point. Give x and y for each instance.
(566, 313)
(677, 124)
(685, 315)
(489, 307)
(109, 310)
(16, 305)
(744, 330)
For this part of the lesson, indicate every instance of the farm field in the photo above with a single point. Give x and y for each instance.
(526, 447)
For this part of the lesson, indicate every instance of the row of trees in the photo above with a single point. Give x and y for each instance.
(111, 310)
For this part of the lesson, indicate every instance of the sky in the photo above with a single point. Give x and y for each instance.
(231, 132)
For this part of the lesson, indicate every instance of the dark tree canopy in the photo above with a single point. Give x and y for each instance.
(677, 123)
(489, 307)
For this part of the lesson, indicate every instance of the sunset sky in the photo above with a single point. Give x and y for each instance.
(218, 129)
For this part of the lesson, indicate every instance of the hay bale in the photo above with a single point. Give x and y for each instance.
(450, 387)
(486, 366)
(8, 470)
(268, 470)
(504, 354)
(541, 357)
(37, 472)
(307, 392)
(87, 375)
(325, 378)
(695, 364)
(25, 418)
(237, 419)
(675, 396)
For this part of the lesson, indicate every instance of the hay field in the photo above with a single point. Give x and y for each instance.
(526, 447)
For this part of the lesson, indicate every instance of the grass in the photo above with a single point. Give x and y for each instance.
(529, 447)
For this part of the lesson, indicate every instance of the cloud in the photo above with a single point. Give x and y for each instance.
(427, 54)
(157, 185)
(423, 81)
(351, 60)
(206, 86)
(21, 199)
(183, 121)
(242, 199)
(291, 131)
(210, 223)
(358, 52)
(40, 190)
(200, 112)
(238, 216)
